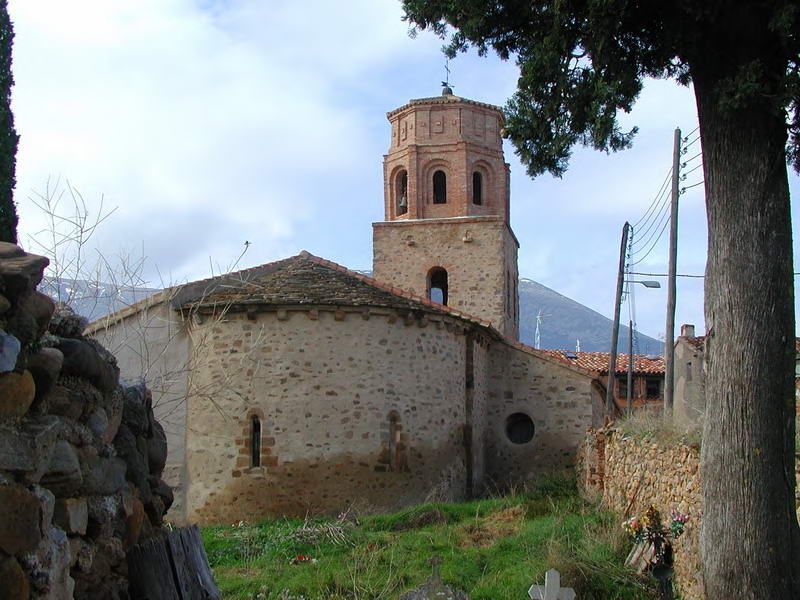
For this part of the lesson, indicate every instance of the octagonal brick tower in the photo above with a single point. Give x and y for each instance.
(446, 233)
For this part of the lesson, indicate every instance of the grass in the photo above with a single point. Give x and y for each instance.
(493, 549)
(648, 423)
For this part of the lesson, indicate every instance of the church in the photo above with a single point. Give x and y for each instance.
(300, 387)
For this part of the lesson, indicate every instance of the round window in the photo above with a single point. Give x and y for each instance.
(519, 428)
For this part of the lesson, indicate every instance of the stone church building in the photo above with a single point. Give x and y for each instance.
(299, 386)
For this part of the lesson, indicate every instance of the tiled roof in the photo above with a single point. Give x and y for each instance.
(306, 279)
(598, 361)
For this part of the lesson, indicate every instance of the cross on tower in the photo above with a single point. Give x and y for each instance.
(551, 590)
(446, 82)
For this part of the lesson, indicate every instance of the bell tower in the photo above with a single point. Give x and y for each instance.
(446, 233)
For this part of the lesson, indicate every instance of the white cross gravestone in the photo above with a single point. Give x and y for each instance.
(551, 590)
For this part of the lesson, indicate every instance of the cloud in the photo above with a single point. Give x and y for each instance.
(215, 122)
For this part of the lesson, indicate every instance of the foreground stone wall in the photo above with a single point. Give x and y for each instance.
(80, 456)
(631, 474)
(325, 386)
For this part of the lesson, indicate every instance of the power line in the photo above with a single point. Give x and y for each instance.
(676, 275)
(688, 187)
(690, 144)
(691, 133)
(661, 233)
(683, 176)
(655, 200)
(688, 160)
(662, 220)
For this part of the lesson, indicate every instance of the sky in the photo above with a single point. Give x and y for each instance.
(222, 133)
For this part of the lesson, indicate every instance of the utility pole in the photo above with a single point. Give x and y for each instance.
(669, 335)
(612, 364)
(630, 368)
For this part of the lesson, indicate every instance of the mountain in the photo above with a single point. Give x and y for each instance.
(93, 299)
(563, 320)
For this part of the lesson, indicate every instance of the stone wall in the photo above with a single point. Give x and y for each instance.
(481, 272)
(325, 385)
(557, 398)
(631, 474)
(80, 455)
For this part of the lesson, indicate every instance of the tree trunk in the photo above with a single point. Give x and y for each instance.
(750, 543)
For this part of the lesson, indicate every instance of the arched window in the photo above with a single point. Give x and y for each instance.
(437, 285)
(477, 188)
(439, 187)
(401, 188)
(255, 441)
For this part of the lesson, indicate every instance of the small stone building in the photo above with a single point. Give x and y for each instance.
(300, 386)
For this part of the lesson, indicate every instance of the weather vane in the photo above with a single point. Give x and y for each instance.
(446, 83)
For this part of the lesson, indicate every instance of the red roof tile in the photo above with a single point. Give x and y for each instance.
(598, 361)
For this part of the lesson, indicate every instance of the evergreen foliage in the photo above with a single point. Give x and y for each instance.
(8, 135)
(581, 63)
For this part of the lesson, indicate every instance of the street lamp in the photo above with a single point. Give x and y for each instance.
(612, 366)
(648, 283)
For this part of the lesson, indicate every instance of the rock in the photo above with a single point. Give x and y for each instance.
(9, 351)
(17, 391)
(134, 520)
(157, 450)
(60, 401)
(83, 555)
(80, 397)
(47, 502)
(72, 515)
(98, 423)
(103, 512)
(45, 367)
(103, 476)
(161, 488)
(138, 410)
(40, 307)
(48, 566)
(64, 475)
(20, 526)
(4, 304)
(113, 408)
(82, 359)
(103, 581)
(23, 325)
(20, 271)
(9, 250)
(66, 323)
(27, 448)
(155, 510)
(15, 583)
(137, 472)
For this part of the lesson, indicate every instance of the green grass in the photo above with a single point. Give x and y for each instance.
(493, 549)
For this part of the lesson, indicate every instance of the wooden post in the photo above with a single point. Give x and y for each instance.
(612, 365)
(669, 334)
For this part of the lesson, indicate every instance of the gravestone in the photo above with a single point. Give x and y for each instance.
(551, 590)
(434, 588)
